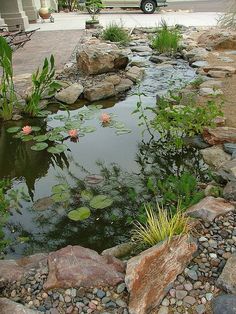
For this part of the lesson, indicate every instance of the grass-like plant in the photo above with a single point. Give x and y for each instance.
(228, 19)
(8, 99)
(197, 82)
(116, 33)
(43, 82)
(166, 39)
(160, 225)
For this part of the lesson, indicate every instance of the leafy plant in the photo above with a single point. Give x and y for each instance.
(160, 225)
(93, 7)
(176, 122)
(8, 99)
(166, 40)
(43, 83)
(115, 33)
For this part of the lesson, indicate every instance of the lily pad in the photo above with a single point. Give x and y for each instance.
(13, 129)
(86, 195)
(88, 129)
(58, 149)
(36, 128)
(27, 138)
(79, 214)
(100, 202)
(59, 188)
(41, 138)
(56, 137)
(61, 197)
(43, 113)
(123, 131)
(39, 146)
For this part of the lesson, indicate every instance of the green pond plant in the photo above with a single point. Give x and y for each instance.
(160, 225)
(8, 98)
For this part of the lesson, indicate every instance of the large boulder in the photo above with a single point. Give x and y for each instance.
(9, 307)
(227, 279)
(76, 266)
(150, 274)
(209, 208)
(219, 135)
(97, 57)
(218, 39)
(14, 270)
(70, 94)
(215, 156)
(99, 91)
(224, 304)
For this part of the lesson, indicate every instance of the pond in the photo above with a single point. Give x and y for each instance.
(102, 161)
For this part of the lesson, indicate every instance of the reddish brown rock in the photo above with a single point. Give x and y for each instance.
(149, 275)
(75, 266)
(209, 208)
(10, 307)
(219, 135)
(13, 270)
(218, 39)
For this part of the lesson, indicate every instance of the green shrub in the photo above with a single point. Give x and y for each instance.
(115, 33)
(166, 40)
(161, 225)
(175, 122)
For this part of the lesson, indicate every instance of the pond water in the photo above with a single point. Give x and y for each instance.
(125, 161)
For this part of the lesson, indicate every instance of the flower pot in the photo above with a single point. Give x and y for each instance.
(91, 24)
(44, 11)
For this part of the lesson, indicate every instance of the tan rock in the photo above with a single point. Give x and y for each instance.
(218, 74)
(224, 68)
(211, 84)
(9, 307)
(150, 274)
(100, 91)
(70, 94)
(218, 39)
(98, 57)
(114, 79)
(135, 74)
(209, 208)
(215, 156)
(75, 266)
(125, 84)
(120, 250)
(219, 135)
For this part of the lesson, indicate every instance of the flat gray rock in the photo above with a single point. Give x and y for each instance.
(224, 304)
(227, 279)
(9, 307)
(199, 64)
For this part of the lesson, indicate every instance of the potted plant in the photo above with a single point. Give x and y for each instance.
(93, 7)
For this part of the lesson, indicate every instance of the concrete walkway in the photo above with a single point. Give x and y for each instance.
(70, 21)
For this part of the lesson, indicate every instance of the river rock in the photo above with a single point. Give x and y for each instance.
(229, 191)
(95, 57)
(159, 59)
(219, 135)
(150, 274)
(227, 279)
(14, 270)
(228, 170)
(211, 84)
(215, 156)
(224, 68)
(196, 54)
(135, 74)
(114, 79)
(141, 49)
(70, 94)
(207, 91)
(120, 250)
(123, 86)
(9, 307)
(76, 266)
(209, 208)
(218, 74)
(99, 91)
(199, 64)
(230, 148)
(224, 304)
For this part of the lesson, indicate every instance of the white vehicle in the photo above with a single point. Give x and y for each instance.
(147, 6)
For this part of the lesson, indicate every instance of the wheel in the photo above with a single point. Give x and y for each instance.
(93, 9)
(148, 6)
(51, 19)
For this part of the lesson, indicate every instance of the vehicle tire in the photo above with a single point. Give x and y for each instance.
(148, 6)
(93, 9)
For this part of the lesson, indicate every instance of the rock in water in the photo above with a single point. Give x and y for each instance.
(70, 94)
(150, 274)
(96, 57)
(76, 266)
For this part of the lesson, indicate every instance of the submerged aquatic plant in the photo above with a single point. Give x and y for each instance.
(160, 225)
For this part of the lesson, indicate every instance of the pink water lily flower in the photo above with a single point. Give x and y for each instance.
(105, 118)
(73, 133)
(26, 130)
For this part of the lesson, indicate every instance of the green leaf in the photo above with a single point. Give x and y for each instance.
(13, 129)
(36, 128)
(43, 113)
(39, 146)
(86, 195)
(100, 202)
(41, 138)
(56, 137)
(59, 188)
(88, 129)
(58, 149)
(61, 197)
(27, 138)
(79, 214)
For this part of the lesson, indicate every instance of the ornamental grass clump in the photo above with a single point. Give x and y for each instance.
(167, 39)
(116, 33)
(160, 225)
(228, 19)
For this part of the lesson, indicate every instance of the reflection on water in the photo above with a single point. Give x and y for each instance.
(124, 161)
